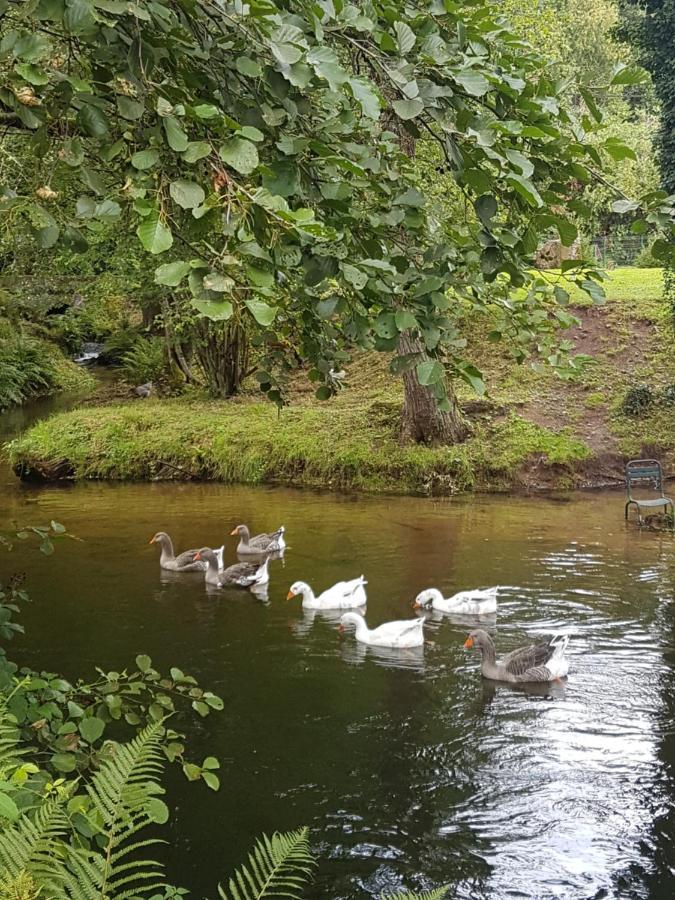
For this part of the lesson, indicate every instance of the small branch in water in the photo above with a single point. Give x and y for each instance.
(176, 468)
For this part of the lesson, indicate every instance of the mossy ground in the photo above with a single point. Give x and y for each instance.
(533, 430)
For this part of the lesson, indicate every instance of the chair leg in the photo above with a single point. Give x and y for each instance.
(626, 510)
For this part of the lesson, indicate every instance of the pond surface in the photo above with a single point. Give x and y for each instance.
(409, 769)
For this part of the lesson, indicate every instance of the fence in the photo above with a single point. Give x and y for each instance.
(618, 249)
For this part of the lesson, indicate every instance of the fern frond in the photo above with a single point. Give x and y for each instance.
(121, 792)
(437, 894)
(278, 866)
(29, 845)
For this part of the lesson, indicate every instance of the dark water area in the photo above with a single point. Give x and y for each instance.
(409, 770)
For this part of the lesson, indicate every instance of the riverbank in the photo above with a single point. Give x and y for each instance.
(534, 431)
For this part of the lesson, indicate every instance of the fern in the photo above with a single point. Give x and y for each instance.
(122, 793)
(437, 894)
(278, 866)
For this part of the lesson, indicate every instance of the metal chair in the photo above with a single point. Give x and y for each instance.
(646, 473)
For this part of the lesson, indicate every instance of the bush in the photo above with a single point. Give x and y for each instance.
(145, 361)
(637, 400)
(30, 367)
(645, 260)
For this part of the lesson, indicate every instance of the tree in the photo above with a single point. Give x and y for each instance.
(248, 144)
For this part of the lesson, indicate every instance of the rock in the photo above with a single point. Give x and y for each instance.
(143, 390)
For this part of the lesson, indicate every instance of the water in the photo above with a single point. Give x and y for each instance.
(408, 768)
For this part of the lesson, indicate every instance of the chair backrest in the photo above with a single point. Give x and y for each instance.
(644, 473)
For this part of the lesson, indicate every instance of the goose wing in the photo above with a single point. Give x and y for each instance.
(401, 629)
(524, 659)
(239, 573)
(187, 558)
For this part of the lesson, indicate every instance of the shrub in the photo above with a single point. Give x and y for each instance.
(637, 400)
(145, 361)
(645, 260)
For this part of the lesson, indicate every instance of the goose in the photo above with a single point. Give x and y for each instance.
(261, 543)
(474, 602)
(408, 633)
(343, 595)
(239, 575)
(185, 561)
(540, 662)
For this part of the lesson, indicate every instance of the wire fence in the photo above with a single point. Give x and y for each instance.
(619, 249)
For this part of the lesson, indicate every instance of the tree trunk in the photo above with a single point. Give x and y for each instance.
(223, 352)
(421, 420)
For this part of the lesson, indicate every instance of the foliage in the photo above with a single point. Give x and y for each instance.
(145, 361)
(437, 894)
(645, 259)
(278, 866)
(30, 367)
(289, 203)
(637, 400)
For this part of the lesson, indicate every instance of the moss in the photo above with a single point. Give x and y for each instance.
(595, 400)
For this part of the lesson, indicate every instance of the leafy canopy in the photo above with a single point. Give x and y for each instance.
(259, 150)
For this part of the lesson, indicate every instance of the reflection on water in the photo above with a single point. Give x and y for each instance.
(409, 769)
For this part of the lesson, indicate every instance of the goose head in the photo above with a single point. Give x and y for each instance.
(350, 618)
(478, 639)
(241, 530)
(426, 598)
(160, 538)
(207, 555)
(298, 587)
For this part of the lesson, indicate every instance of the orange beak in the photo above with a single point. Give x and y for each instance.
(151, 541)
(341, 628)
(290, 595)
(416, 605)
(198, 556)
(468, 643)
(236, 531)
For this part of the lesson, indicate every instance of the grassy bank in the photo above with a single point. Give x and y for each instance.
(534, 430)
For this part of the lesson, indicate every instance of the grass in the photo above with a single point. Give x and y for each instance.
(533, 430)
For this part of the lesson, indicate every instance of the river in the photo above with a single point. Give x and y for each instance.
(409, 770)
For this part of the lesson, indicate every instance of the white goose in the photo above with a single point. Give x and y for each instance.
(400, 635)
(343, 595)
(469, 603)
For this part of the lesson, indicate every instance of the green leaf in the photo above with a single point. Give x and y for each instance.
(486, 207)
(130, 109)
(47, 237)
(522, 163)
(9, 809)
(143, 662)
(200, 707)
(365, 93)
(624, 206)
(57, 527)
(176, 138)
(240, 155)
(247, 66)
(187, 194)
(215, 281)
(91, 728)
(594, 290)
(145, 159)
(31, 73)
(207, 111)
(211, 763)
(623, 74)
(196, 150)
(592, 106)
(78, 16)
(64, 762)
(211, 780)
(408, 109)
(251, 133)
(354, 276)
(618, 150)
(216, 310)
(405, 320)
(171, 274)
(474, 83)
(405, 37)
(92, 121)
(261, 312)
(430, 372)
(158, 811)
(154, 234)
(526, 189)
